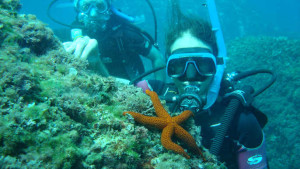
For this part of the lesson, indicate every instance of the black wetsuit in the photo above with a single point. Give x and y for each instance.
(121, 46)
(245, 129)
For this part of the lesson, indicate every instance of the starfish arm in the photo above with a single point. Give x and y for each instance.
(159, 109)
(183, 116)
(167, 142)
(152, 121)
(182, 134)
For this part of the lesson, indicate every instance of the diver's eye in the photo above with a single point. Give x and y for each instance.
(85, 7)
(101, 7)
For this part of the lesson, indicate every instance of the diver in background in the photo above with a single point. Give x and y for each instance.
(195, 68)
(117, 44)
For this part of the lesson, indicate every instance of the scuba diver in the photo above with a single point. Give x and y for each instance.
(231, 128)
(113, 44)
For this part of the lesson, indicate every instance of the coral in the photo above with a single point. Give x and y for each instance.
(169, 125)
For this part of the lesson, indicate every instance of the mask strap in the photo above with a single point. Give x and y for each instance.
(191, 50)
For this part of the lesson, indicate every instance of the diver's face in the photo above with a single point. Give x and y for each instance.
(94, 14)
(191, 74)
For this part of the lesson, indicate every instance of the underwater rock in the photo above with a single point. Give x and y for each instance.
(52, 116)
(281, 101)
(26, 30)
(35, 35)
(12, 5)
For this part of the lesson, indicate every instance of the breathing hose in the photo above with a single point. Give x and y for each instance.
(53, 19)
(234, 103)
(243, 75)
(226, 120)
(134, 81)
(155, 22)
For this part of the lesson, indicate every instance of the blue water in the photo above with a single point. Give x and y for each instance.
(64, 11)
(238, 18)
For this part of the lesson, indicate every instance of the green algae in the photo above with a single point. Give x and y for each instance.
(57, 114)
(36, 112)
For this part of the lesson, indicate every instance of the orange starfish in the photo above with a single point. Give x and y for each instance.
(169, 125)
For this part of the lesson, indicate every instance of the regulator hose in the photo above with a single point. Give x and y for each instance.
(134, 81)
(234, 104)
(226, 120)
(53, 19)
(155, 22)
(243, 75)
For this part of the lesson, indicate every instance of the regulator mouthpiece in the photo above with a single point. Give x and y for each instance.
(190, 100)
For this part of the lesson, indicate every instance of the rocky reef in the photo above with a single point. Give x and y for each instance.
(281, 101)
(55, 113)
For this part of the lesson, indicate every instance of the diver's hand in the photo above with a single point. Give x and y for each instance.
(87, 48)
(83, 47)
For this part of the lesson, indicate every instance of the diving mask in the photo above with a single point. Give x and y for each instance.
(201, 58)
(93, 11)
(94, 14)
(86, 7)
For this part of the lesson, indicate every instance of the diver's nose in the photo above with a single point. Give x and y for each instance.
(93, 12)
(191, 71)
